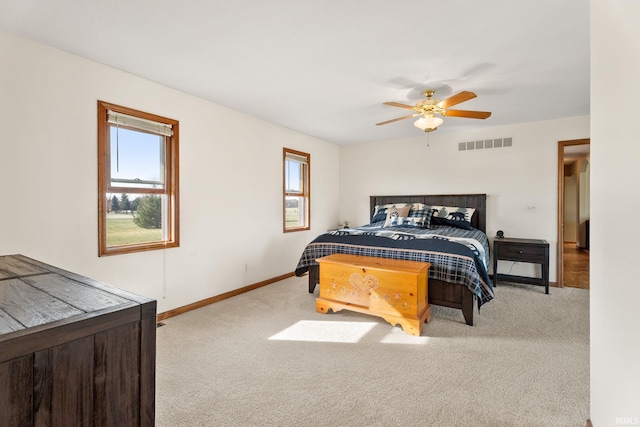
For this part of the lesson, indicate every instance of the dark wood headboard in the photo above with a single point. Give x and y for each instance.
(476, 201)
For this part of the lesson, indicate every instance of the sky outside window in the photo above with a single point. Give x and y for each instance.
(136, 155)
(294, 176)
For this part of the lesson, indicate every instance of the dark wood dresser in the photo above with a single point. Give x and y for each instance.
(533, 251)
(73, 351)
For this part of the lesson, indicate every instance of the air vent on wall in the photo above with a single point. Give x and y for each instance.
(485, 144)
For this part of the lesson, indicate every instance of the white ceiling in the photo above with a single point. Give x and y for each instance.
(324, 68)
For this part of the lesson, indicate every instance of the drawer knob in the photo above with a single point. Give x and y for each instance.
(520, 252)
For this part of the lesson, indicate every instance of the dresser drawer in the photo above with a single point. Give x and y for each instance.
(519, 252)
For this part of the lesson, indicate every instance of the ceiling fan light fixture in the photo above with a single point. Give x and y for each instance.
(428, 123)
(428, 108)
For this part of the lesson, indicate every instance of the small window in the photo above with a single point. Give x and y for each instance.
(137, 179)
(296, 190)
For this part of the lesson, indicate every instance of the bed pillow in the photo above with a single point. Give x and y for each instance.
(410, 221)
(452, 223)
(418, 209)
(380, 211)
(423, 213)
(396, 212)
(453, 216)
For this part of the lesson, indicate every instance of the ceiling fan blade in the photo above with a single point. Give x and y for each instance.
(398, 119)
(456, 99)
(467, 114)
(397, 104)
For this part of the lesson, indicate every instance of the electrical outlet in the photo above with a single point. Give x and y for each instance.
(246, 267)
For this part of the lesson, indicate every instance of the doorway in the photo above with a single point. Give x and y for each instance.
(573, 213)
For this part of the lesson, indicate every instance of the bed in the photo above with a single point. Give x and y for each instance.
(459, 256)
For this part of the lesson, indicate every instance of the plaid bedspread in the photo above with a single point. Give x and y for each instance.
(456, 255)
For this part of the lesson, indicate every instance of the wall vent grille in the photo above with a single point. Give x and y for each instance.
(484, 144)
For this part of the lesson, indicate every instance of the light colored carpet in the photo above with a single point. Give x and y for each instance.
(266, 358)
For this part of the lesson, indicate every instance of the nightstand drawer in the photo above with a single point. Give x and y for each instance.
(524, 253)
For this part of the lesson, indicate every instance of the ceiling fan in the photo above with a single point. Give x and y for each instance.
(428, 108)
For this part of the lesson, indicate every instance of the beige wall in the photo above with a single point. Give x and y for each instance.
(230, 180)
(615, 288)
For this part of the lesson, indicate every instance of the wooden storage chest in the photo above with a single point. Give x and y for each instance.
(73, 351)
(395, 290)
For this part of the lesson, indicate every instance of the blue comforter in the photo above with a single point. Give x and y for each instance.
(456, 255)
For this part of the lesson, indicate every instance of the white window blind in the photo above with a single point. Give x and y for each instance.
(297, 158)
(151, 126)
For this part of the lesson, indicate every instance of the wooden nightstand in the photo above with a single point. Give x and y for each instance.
(522, 250)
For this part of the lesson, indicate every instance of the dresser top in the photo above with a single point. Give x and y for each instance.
(37, 295)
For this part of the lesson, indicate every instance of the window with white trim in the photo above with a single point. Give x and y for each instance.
(296, 210)
(137, 179)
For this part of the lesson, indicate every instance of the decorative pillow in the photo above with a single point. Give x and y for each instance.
(380, 211)
(422, 211)
(427, 217)
(379, 216)
(396, 213)
(419, 210)
(410, 221)
(453, 216)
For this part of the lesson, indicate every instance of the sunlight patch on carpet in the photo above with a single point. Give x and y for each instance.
(311, 330)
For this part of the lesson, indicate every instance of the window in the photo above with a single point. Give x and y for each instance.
(296, 190)
(137, 180)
